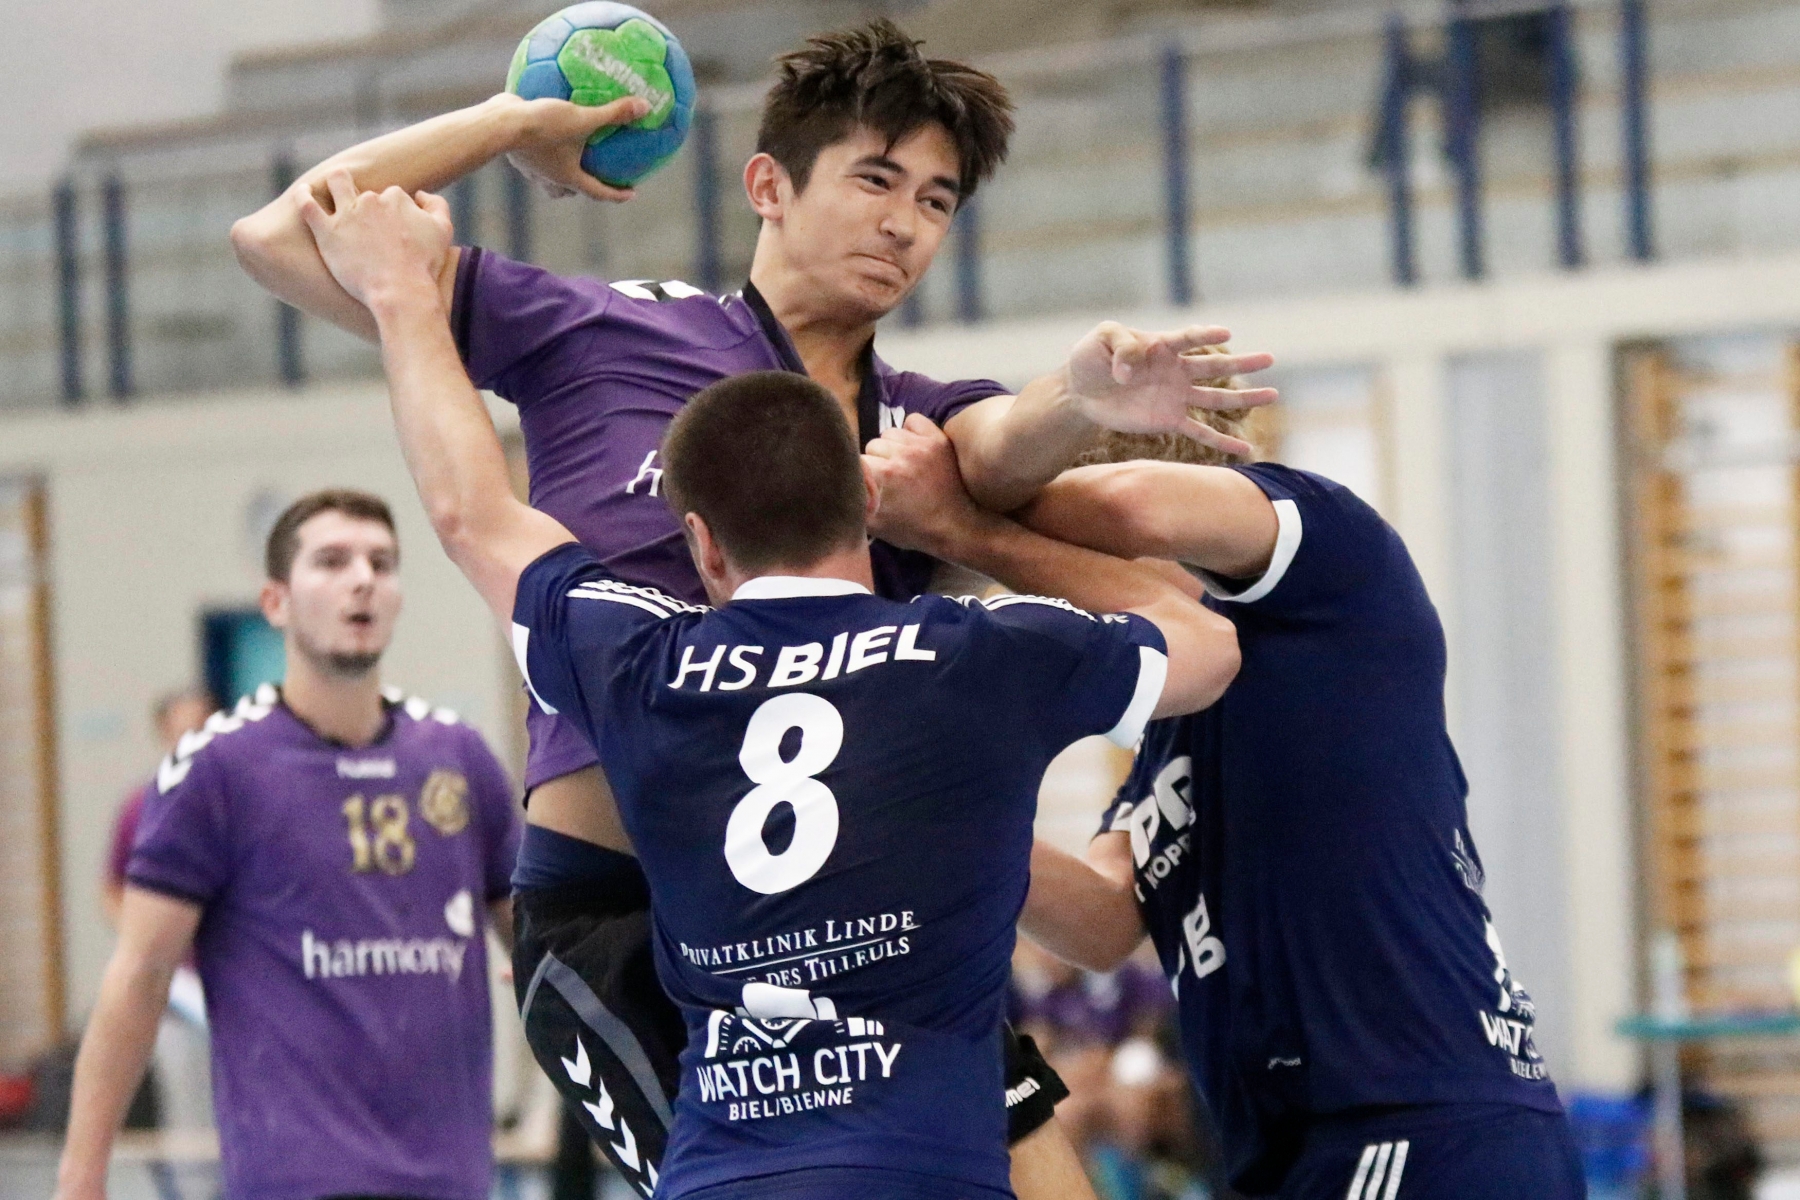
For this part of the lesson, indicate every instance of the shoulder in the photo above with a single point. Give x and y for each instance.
(217, 742)
(416, 710)
(934, 398)
(680, 310)
(598, 589)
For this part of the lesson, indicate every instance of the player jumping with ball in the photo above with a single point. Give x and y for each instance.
(865, 151)
(832, 792)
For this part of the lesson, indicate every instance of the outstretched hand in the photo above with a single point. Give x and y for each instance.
(924, 505)
(555, 132)
(376, 241)
(1136, 382)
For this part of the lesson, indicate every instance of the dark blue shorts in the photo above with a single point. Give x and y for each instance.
(1439, 1152)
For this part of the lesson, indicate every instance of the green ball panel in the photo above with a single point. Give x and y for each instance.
(603, 65)
(518, 65)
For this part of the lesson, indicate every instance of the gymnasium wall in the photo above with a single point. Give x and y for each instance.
(1479, 420)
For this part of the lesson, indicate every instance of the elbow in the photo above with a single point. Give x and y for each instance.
(449, 519)
(251, 243)
(1209, 661)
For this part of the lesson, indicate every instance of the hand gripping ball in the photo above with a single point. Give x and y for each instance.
(598, 52)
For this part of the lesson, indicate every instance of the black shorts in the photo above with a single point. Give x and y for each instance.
(602, 1028)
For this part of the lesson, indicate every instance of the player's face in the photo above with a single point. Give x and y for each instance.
(872, 217)
(342, 595)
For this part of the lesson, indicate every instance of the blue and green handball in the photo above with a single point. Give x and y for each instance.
(598, 52)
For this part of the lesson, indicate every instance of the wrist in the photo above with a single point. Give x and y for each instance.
(509, 116)
(407, 295)
(969, 540)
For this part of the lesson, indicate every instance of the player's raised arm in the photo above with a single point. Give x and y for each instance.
(1116, 378)
(543, 138)
(924, 505)
(1213, 518)
(385, 250)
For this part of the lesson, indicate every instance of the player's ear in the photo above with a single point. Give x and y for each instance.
(763, 177)
(273, 600)
(871, 498)
(708, 556)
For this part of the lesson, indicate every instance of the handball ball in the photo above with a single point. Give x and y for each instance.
(598, 52)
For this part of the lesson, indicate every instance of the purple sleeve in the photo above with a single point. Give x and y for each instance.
(937, 401)
(183, 846)
(125, 827)
(491, 792)
(524, 333)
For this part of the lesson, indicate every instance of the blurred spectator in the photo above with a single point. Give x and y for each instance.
(181, 1070)
(1130, 1111)
(173, 714)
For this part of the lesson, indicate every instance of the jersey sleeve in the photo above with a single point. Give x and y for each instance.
(937, 401)
(570, 617)
(183, 846)
(524, 333)
(1079, 674)
(1328, 543)
(491, 793)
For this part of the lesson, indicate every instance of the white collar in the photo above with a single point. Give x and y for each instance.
(782, 587)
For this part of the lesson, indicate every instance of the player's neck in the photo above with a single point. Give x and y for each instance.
(343, 708)
(851, 564)
(829, 340)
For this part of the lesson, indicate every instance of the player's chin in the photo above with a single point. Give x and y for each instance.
(876, 294)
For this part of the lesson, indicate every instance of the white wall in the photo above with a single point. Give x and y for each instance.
(155, 515)
(150, 509)
(68, 66)
(1571, 324)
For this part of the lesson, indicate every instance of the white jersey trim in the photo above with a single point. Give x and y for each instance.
(785, 587)
(1153, 672)
(1287, 544)
(521, 643)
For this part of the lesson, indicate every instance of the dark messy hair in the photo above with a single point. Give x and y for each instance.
(873, 76)
(284, 538)
(768, 462)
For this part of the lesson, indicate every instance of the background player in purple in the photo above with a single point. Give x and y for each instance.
(865, 151)
(329, 850)
(775, 504)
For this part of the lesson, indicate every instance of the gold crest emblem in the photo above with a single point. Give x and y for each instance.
(444, 801)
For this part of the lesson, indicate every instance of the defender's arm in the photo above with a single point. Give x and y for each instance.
(544, 138)
(1084, 910)
(1008, 447)
(924, 506)
(1213, 518)
(155, 932)
(385, 250)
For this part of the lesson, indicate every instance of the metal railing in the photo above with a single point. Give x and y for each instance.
(1139, 166)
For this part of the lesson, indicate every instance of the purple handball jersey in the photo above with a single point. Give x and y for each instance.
(598, 370)
(343, 894)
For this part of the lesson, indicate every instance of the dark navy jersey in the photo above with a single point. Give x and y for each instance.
(832, 796)
(1303, 856)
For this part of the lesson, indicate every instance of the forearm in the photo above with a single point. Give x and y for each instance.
(451, 449)
(1202, 646)
(277, 250)
(1030, 563)
(1210, 517)
(110, 1066)
(1078, 914)
(1017, 445)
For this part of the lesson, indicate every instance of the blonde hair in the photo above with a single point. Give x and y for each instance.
(1178, 447)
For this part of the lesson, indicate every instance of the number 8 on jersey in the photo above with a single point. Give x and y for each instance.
(788, 782)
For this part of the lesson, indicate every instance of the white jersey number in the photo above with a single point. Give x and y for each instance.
(791, 782)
